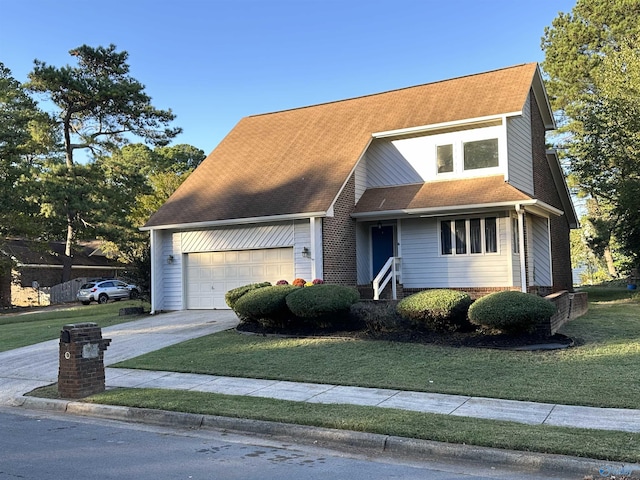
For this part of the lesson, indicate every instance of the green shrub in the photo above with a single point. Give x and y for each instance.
(511, 312)
(266, 305)
(441, 309)
(232, 296)
(323, 304)
(378, 318)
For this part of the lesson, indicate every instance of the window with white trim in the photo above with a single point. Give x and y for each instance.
(515, 235)
(481, 154)
(469, 236)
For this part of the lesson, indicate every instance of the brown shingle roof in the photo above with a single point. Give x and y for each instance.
(27, 252)
(296, 161)
(452, 193)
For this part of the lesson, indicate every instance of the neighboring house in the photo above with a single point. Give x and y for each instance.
(451, 179)
(31, 268)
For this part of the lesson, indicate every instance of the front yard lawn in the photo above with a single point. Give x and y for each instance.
(601, 370)
(34, 327)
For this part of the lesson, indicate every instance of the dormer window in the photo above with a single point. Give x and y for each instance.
(444, 157)
(481, 154)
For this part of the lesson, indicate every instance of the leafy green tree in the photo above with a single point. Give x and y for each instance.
(25, 134)
(99, 107)
(592, 64)
(137, 181)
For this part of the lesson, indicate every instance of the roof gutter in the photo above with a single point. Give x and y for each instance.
(235, 221)
(440, 211)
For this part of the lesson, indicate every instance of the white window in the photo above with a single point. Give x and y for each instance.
(469, 236)
(481, 154)
(515, 235)
(444, 158)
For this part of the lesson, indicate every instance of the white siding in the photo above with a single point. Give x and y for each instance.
(302, 238)
(424, 267)
(539, 237)
(413, 160)
(519, 147)
(239, 237)
(171, 272)
(360, 177)
(169, 286)
(515, 257)
(387, 166)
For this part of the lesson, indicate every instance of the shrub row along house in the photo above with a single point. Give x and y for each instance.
(443, 185)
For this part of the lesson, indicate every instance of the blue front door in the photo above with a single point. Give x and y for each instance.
(381, 247)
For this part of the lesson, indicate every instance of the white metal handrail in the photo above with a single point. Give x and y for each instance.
(389, 272)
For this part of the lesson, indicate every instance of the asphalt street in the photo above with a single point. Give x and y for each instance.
(43, 446)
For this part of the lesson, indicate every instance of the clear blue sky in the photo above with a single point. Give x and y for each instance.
(215, 61)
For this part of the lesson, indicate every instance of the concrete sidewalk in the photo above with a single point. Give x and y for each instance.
(514, 411)
(25, 369)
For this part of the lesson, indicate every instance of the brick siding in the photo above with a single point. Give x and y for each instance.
(339, 240)
(545, 190)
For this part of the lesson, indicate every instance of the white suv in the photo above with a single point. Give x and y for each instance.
(105, 290)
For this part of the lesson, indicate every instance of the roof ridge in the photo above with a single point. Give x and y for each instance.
(331, 102)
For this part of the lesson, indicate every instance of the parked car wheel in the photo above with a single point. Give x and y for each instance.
(103, 299)
(134, 294)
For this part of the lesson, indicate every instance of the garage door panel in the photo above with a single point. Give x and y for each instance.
(211, 274)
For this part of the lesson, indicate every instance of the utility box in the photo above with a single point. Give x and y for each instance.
(81, 370)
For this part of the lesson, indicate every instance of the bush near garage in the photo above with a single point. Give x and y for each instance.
(440, 310)
(323, 305)
(511, 312)
(266, 306)
(232, 296)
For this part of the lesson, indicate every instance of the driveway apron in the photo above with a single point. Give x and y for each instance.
(26, 368)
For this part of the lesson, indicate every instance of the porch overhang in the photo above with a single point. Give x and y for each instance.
(453, 197)
(534, 206)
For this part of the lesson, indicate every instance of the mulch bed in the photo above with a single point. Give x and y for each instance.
(475, 339)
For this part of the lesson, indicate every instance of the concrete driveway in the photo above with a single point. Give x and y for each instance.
(27, 368)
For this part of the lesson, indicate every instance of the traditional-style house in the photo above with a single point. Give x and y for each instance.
(448, 184)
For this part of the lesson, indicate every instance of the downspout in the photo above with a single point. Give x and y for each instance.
(523, 254)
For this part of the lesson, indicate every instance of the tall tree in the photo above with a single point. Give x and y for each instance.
(589, 56)
(138, 180)
(24, 134)
(100, 106)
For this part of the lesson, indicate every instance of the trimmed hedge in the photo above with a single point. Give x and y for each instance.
(511, 312)
(322, 300)
(232, 296)
(266, 305)
(440, 309)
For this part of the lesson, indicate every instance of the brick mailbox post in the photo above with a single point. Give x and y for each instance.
(81, 371)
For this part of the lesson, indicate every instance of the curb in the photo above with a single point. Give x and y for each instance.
(369, 443)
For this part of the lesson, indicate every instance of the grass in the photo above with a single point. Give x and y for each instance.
(34, 327)
(600, 371)
(618, 446)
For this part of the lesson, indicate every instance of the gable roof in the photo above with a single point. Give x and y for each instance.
(28, 253)
(296, 161)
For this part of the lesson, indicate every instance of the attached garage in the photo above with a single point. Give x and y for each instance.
(209, 275)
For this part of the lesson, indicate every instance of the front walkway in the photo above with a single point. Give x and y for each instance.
(27, 368)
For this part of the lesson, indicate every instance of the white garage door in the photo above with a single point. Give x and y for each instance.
(211, 274)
